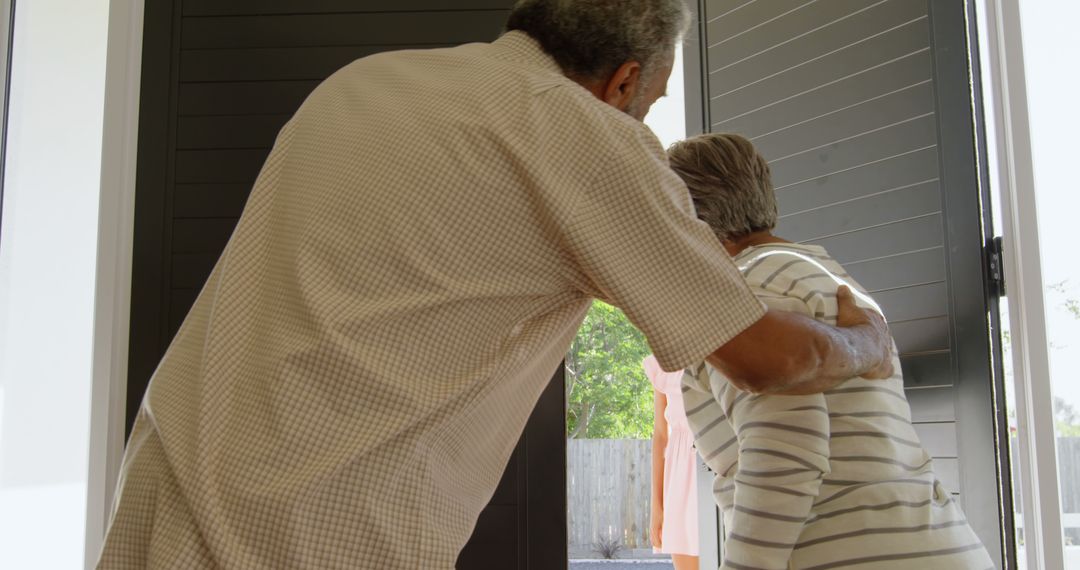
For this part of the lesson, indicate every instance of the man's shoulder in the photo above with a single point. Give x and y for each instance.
(606, 126)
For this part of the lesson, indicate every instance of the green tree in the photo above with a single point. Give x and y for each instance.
(608, 394)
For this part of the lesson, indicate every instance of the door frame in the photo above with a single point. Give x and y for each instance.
(981, 422)
(1037, 458)
(116, 215)
(7, 27)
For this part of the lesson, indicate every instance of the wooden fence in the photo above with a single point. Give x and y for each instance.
(1069, 473)
(608, 491)
(1068, 456)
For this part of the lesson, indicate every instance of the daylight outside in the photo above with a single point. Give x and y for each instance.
(609, 417)
(1048, 38)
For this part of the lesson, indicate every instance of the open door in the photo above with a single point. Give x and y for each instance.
(865, 111)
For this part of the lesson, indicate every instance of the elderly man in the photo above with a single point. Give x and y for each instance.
(416, 255)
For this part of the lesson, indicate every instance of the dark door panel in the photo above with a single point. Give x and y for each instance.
(220, 79)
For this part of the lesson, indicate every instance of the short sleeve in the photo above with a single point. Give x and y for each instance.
(638, 245)
(653, 371)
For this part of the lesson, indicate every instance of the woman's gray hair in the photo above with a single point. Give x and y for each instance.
(590, 39)
(729, 181)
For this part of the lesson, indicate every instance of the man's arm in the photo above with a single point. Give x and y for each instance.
(785, 352)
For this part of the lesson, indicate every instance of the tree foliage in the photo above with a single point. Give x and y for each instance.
(608, 394)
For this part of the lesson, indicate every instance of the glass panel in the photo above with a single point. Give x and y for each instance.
(47, 256)
(1003, 307)
(1049, 39)
(1051, 90)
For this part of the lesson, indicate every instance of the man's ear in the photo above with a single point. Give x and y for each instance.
(623, 86)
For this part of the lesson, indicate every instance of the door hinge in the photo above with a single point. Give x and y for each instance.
(995, 267)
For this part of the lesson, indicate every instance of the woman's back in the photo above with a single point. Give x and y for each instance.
(826, 480)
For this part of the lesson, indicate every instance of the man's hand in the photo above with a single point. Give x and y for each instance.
(850, 315)
(789, 353)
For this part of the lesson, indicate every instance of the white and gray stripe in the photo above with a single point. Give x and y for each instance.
(832, 480)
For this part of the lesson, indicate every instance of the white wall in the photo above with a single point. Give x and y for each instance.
(47, 264)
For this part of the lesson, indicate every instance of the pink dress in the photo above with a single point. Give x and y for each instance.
(680, 530)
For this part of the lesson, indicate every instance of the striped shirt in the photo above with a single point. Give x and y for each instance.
(833, 480)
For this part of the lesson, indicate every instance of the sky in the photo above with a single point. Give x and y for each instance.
(667, 117)
(1051, 53)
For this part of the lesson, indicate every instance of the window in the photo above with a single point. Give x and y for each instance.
(1030, 110)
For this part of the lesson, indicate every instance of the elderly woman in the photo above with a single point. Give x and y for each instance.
(819, 481)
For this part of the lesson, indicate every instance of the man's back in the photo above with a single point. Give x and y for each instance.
(415, 258)
(834, 478)
(318, 407)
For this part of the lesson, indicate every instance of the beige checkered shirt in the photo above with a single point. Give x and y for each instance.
(415, 258)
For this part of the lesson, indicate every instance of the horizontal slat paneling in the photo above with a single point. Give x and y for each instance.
(756, 15)
(844, 124)
(716, 9)
(927, 370)
(911, 303)
(838, 96)
(871, 177)
(274, 64)
(821, 99)
(910, 268)
(892, 239)
(948, 472)
(924, 335)
(868, 211)
(228, 132)
(190, 270)
(932, 404)
(731, 99)
(201, 235)
(180, 302)
(209, 200)
(853, 153)
(252, 98)
(219, 166)
(248, 7)
(807, 34)
(939, 439)
(345, 29)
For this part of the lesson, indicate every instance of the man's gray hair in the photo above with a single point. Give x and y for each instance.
(590, 39)
(729, 181)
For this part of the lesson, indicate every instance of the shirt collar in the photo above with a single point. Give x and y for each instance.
(520, 47)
